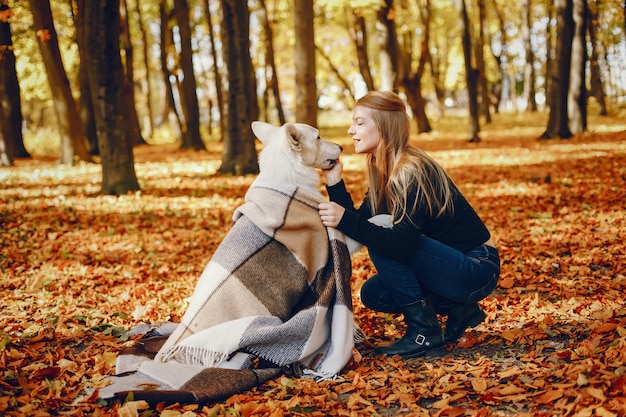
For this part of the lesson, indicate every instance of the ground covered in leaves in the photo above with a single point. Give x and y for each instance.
(78, 269)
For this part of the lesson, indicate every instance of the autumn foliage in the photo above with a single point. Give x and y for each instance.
(77, 269)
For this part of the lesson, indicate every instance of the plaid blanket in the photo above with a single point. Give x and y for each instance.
(275, 296)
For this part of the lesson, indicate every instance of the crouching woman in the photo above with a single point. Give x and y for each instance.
(436, 256)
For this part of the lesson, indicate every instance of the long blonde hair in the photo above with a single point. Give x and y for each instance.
(397, 167)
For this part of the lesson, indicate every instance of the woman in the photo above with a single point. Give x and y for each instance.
(436, 257)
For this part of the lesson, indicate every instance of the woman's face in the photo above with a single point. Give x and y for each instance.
(364, 131)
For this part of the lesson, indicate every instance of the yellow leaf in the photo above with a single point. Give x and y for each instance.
(596, 393)
(131, 408)
(479, 385)
(171, 413)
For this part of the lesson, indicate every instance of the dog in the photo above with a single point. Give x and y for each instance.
(293, 152)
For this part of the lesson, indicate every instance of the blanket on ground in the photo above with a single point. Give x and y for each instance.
(274, 296)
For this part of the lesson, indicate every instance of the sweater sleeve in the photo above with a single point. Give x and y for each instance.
(397, 242)
(462, 229)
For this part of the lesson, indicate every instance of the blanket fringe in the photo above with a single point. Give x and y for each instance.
(193, 356)
(320, 376)
(359, 336)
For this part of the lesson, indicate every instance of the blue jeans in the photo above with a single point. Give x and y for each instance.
(433, 269)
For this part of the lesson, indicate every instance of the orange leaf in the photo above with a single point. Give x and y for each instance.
(605, 328)
(550, 396)
(506, 282)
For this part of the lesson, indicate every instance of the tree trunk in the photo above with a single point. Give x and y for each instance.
(72, 140)
(189, 98)
(148, 124)
(101, 21)
(412, 83)
(125, 40)
(170, 112)
(273, 82)
(480, 64)
(10, 102)
(438, 69)
(239, 153)
(359, 36)
(529, 68)
(471, 75)
(558, 126)
(497, 89)
(597, 88)
(216, 71)
(306, 89)
(85, 102)
(550, 46)
(388, 43)
(577, 95)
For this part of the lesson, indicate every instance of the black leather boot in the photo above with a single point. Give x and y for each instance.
(423, 335)
(460, 317)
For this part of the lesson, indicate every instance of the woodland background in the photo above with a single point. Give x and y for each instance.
(119, 180)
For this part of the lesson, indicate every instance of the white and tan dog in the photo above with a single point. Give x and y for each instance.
(292, 153)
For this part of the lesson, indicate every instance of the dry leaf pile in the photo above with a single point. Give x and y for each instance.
(78, 269)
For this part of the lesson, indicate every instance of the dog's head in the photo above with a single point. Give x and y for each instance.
(297, 143)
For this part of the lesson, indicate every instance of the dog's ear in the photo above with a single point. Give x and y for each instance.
(264, 131)
(293, 135)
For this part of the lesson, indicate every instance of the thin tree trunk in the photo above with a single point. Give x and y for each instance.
(125, 40)
(471, 75)
(170, 112)
(216, 72)
(550, 46)
(191, 110)
(359, 36)
(272, 64)
(597, 88)
(497, 90)
(529, 67)
(480, 63)
(148, 124)
(72, 139)
(306, 89)
(412, 82)
(85, 102)
(388, 42)
(558, 126)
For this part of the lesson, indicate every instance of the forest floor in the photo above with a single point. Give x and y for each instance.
(77, 269)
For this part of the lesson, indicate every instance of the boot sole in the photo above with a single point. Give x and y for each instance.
(433, 353)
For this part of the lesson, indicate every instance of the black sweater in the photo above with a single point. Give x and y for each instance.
(462, 229)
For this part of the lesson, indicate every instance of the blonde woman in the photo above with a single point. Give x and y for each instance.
(437, 256)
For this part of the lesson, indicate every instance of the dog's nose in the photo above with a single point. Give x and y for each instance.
(340, 147)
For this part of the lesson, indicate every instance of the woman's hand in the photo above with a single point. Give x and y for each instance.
(331, 213)
(333, 175)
